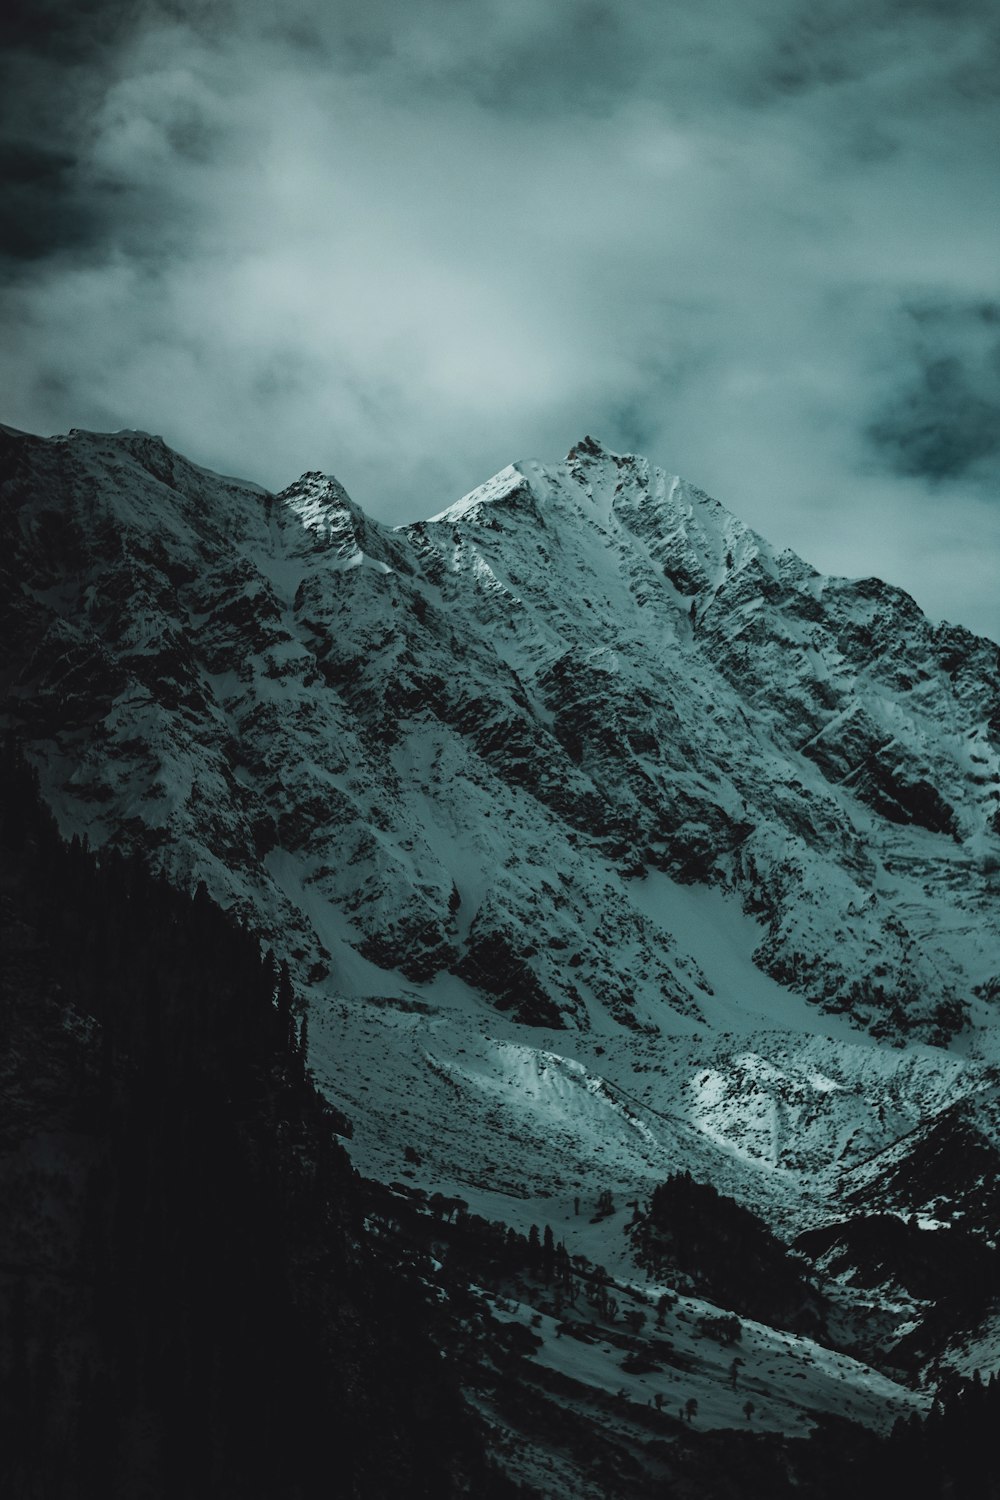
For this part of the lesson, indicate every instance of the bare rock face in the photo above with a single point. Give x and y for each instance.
(459, 745)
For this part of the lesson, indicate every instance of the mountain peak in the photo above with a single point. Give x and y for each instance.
(589, 447)
(320, 502)
(330, 521)
(623, 496)
(511, 489)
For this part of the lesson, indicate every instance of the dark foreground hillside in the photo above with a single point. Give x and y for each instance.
(188, 1302)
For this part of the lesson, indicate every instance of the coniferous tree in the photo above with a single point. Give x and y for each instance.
(548, 1255)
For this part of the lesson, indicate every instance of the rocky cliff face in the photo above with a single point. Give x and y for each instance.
(465, 743)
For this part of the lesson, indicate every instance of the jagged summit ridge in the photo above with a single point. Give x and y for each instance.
(388, 737)
(692, 536)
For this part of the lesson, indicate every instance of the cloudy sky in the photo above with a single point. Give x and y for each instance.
(757, 240)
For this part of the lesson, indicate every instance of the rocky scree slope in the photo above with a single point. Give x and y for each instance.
(463, 743)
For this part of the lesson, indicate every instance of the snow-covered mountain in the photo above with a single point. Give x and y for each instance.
(605, 839)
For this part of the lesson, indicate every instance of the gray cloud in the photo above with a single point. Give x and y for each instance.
(40, 210)
(411, 243)
(943, 421)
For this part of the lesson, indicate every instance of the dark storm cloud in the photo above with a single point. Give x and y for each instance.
(54, 59)
(40, 212)
(944, 422)
(410, 243)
